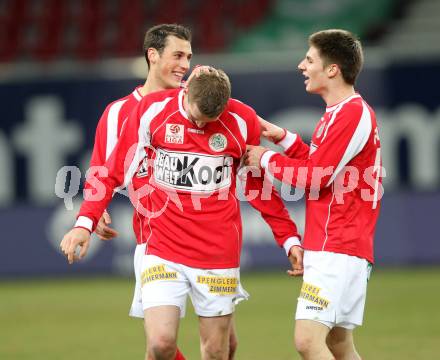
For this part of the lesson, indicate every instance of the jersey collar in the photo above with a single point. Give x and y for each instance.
(333, 107)
(181, 108)
(136, 93)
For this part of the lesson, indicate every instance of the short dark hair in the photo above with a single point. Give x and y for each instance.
(156, 37)
(210, 91)
(340, 47)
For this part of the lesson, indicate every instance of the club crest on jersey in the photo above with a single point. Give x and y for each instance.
(174, 134)
(218, 142)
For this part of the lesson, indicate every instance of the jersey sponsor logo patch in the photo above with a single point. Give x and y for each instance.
(218, 142)
(174, 134)
(143, 169)
(191, 171)
(157, 272)
(311, 292)
(220, 285)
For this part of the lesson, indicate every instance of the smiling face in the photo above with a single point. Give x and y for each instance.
(315, 72)
(170, 66)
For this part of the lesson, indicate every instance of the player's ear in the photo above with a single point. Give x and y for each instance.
(153, 55)
(333, 70)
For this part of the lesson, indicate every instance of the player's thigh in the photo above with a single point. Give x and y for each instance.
(162, 324)
(163, 283)
(310, 334)
(215, 330)
(215, 292)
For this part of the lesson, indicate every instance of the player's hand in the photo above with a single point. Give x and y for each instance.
(199, 69)
(271, 131)
(296, 255)
(103, 230)
(253, 155)
(77, 237)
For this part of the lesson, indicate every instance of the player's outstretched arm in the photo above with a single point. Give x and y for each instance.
(318, 169)
(261, 193)
(77, 237)
(291, 143)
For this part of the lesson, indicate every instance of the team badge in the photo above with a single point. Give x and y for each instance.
(174, 133)
(218, 142)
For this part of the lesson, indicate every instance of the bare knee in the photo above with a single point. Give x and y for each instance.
(162, 348)
(336, 344)
(340, 343)
(310, 337)
(215, 337)
(213, 351)
(303, 343)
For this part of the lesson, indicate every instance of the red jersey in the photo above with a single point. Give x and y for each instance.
(183, 181)
(341, 172)
(107, 134)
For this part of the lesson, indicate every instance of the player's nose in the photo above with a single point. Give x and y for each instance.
(184, 63)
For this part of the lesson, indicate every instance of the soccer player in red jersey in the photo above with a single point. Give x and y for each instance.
(190, 217)
(167, 50)
(341, 172)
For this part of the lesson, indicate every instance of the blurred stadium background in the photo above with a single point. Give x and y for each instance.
(61, 62)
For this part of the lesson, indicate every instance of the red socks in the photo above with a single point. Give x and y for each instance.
(179, 355)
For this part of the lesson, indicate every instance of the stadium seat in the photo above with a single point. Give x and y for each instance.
(251, 12)
(50, 30)
(129, 29)
(210, 33)
(11, 29)
(171, 11)
(90, 24)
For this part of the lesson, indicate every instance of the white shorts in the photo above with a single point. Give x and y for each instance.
(213, 292)
(136, 309)
(334, 289)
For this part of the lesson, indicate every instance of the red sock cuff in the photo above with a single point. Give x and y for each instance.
(179, 355)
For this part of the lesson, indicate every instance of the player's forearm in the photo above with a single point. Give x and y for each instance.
(303, 174)
(283, 228)
(96, 201)
(294, 146)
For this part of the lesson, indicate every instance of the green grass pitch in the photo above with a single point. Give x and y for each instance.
(87, 318)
